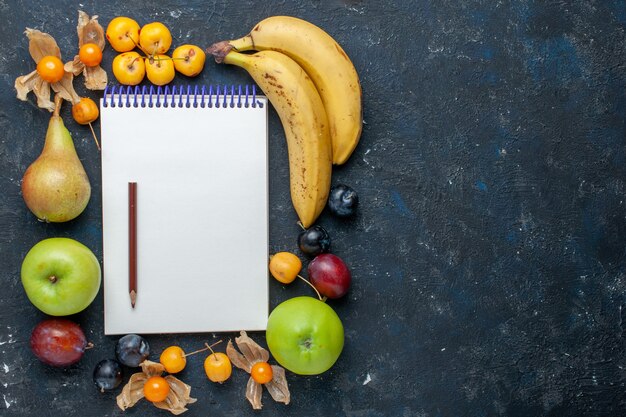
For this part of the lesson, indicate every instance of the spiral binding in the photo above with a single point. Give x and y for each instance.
(218, 96)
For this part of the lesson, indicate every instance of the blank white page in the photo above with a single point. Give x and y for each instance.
(202, 217)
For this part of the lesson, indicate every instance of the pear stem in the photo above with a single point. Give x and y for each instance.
(94, 136)
(312, 286)
(58, 100)
(301, 225)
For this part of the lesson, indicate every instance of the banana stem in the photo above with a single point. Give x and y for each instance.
(220, 51)
(243, 44)
(237, 59)
(234, 58)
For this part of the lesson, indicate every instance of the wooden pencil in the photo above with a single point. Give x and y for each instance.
(132, 242)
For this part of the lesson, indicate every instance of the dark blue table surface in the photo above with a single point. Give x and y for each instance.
(489, 252)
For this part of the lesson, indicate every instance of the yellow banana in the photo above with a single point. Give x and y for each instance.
(328, 66)
(302, 115)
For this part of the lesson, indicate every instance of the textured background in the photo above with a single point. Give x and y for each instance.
(488, 256)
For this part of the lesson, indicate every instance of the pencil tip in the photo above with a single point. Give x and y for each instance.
(133, 298)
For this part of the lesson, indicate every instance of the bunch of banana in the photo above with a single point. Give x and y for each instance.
(315, 89)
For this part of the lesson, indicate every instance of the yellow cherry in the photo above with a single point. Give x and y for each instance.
(160, 69)
(155, 38)
(129, 68)
(173, 359)
(189, 60)
(123, 34)
(285, 267)
(217, 367)
(85, 111)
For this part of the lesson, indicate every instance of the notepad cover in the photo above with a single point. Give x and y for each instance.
(202, 218)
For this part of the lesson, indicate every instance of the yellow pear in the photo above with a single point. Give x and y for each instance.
(55, 186)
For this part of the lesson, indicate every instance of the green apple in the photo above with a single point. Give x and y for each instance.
(305, 335)
(61, 276)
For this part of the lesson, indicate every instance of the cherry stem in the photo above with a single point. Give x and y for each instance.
(201, 350)
(168, 59)
(130, 66)
(211, 347)
(312, 286)
(94, 136)
(136, 44)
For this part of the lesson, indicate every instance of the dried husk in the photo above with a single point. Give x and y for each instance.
(237, 358)
(176, 401)
(65, 88)
(251, 350)
(277, 387)
(254, 390)
(33, 82)
(95, 78)
(42, 44)
(252, 353)
(76, 67)
(89, 31)
(178, 397)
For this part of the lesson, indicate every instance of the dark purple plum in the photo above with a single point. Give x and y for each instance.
(131, 350)
(314, 240)
(107, 374)
(342, 200)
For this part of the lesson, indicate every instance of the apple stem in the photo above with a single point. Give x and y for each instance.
(89, 346)
(201, 350)
(211, 347)
(94, 136)
(312, 286)
(53, 279)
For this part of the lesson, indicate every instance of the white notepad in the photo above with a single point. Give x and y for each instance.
(202, 210)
